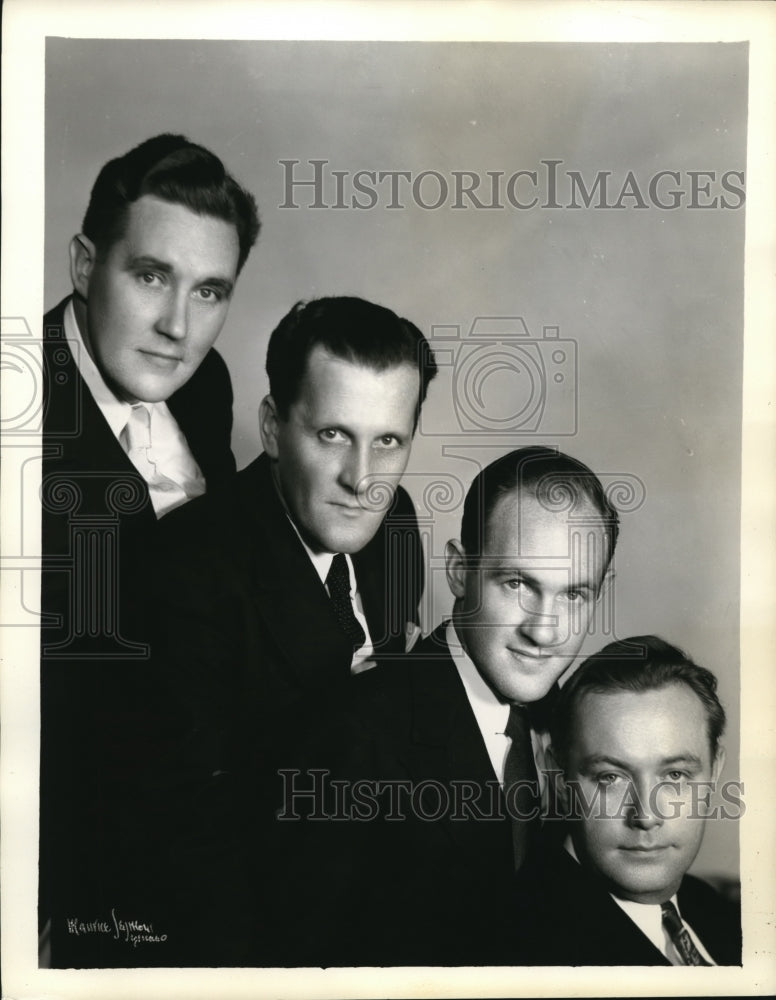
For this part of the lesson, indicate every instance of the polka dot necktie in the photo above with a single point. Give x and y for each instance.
(338, 585)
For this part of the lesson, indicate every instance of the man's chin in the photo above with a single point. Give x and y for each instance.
(147, 390)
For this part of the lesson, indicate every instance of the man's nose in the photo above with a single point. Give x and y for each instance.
(355, 469)
(539, 623)
(641, 807)
(174, 318)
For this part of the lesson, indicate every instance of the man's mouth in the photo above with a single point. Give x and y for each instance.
(163, 360)
(525, 654)
(349, 509)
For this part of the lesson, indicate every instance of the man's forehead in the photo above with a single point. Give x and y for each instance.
(351, 376)
(150, 219)
(523, 526)
(668, 722)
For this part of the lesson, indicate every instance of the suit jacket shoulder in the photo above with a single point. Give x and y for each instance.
(715, 919)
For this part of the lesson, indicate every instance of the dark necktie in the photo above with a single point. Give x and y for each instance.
(338, 585)
(680, 937)
(520, 770)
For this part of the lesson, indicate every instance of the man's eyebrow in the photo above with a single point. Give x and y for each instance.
(683, 758)
(152, 263)
(147, 261)
(503, 567)
(605, 760)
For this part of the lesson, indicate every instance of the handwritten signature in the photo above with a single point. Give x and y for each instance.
(132, 931)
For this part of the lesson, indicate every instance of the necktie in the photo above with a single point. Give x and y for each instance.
(680, 937)
(136, 439)
(338, 584)
(520, 770)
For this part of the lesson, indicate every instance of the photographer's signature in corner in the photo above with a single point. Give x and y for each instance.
(132, 931)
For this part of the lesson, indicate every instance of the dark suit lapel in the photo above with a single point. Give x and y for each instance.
(289, 595)
(203, 410)
(716, 921)
(587, 925)
(78, 442)
(382, 566)
(447, 746)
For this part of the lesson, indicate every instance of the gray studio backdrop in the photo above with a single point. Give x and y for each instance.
(609, 309)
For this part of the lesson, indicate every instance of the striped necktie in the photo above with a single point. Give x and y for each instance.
(680, 936)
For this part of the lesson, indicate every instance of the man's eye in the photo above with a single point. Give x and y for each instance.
(514, 584)
(149, 278)
(607, 778)
(210, 294)
(676, 775)
(388, 441)
(332, 435)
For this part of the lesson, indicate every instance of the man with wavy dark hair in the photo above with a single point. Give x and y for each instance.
(137, 421)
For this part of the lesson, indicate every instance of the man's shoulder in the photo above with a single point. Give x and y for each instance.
(404, 688)
(229, 507)
(212, 373)
(715, 916)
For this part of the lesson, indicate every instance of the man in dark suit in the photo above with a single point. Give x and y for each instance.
(636, 735)
(421, 875)
(271, 593)
(137, 421)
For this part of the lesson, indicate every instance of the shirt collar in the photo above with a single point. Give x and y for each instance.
(491, 713)
(321, 560)
(115, 410)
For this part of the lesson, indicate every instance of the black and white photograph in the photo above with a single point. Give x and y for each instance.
(387, 499)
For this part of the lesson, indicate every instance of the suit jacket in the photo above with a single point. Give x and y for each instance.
(247, 637)
(569, 918)
(98, 526)
(433, 885)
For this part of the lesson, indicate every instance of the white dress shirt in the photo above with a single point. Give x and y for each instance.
(492, 714)
(172, 474)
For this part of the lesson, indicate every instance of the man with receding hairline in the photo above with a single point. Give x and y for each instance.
(460, 723)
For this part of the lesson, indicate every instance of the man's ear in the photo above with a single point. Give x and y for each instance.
(83, 254)
(268, 426)
(718, 764)
(606, 583)
(455, 567)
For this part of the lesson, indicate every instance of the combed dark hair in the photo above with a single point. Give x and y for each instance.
(557, 481)
(175, 170)
(641, 663)
(349, 328)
